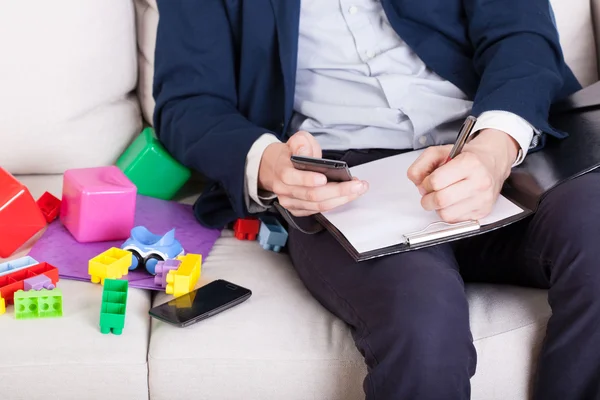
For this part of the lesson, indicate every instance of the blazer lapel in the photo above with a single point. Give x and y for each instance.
(287, 20)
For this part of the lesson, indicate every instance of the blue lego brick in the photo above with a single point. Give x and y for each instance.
(20, 263)
(272, 235)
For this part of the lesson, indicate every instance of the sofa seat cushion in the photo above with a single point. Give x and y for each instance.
(282, 344)
(69, 71)
(67, 357)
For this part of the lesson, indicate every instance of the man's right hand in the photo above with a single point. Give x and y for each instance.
(303, 193)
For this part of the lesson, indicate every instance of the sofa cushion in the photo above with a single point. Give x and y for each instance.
(576, 29)
(67, 84)
(282, 344)
(508, 325)
(147, 22)
(68, 357)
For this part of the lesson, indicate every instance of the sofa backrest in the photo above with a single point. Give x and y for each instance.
(146, 22)
(578, 37)
(73, 65)
(68, 73)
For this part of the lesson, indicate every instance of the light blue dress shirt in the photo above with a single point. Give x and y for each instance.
(359, 86)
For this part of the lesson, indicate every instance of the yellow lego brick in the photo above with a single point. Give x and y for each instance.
(183, 279)
(2, 306)
(111, 264)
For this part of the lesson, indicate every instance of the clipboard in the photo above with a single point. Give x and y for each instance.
(432, 235)
(541, 171)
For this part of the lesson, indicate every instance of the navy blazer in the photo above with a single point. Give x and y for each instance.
(225, 74)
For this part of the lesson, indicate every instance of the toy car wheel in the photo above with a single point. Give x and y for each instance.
(151, 261)
(136, 260)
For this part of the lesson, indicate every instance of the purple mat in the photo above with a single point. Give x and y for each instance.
(60, 249)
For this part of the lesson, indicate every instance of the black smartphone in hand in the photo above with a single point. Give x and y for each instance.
(200, 304)
(334, 170)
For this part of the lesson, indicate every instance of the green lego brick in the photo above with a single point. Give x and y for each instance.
(115, 297)
(38, 304)
(116, 285)
(151, 168)
(114, 306)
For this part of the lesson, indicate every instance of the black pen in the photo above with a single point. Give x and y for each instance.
(463, 135)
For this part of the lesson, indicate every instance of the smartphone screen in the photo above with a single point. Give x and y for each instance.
(202, 303)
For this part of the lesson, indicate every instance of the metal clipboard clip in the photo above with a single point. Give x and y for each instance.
(440, 230)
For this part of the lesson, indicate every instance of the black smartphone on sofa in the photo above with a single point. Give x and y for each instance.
(201, 303)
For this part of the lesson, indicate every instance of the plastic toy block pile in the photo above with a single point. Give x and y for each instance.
(31, 287)
(97, 205)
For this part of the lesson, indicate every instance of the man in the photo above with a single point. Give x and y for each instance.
(240, 86)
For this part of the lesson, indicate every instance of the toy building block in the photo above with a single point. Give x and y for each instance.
(162, 270)
(272, 235)
(38, 304)
(20, 217)
(246, 228)
(2, 306)
(15, 265)
(49, 205)
(38, 283)
(114, 306)
(183, 280)
(98, 204)
(15, 281)
(111, 264)
(151, 168)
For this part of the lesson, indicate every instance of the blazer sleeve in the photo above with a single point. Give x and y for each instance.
(518, 56)
(195, 92)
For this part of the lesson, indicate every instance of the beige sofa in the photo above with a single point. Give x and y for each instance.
(70, 98)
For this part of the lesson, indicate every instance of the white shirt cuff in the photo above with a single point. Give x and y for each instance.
(256, 202)
(512, 124)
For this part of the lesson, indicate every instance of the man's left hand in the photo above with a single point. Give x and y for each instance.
(467, 187)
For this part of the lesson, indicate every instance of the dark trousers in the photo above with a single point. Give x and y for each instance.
(409, 314)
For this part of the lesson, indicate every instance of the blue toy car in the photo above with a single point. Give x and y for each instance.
(148, 249)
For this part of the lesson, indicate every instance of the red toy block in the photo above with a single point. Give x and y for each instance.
(10, 283)
(246, 228)
(49, 205)
(20, 217)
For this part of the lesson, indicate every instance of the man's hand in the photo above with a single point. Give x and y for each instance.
(303, 192)
(468, 186)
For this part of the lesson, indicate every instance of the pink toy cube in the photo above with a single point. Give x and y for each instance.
(98, 204)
